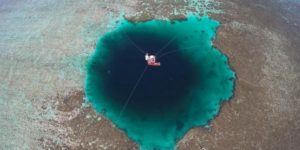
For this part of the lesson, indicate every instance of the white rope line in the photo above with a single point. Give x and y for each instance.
(172, 51)
(132, 91)
(166, 45)
(135, 45)
(167, 53)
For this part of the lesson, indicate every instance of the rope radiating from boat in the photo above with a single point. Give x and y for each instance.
(166, 45)
(176, 50)
(134, 44)
(132, 91)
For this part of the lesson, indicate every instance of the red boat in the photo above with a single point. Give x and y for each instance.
(151, 60)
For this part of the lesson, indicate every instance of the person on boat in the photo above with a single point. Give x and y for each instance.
(151, 60)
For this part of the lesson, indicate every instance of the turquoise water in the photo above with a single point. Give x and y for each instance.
(156, 106)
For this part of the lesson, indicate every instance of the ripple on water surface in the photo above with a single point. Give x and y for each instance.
(187, 90)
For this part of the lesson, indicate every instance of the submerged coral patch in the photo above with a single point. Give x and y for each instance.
(156, 106)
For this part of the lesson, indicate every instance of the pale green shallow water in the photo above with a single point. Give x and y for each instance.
(186, 91)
